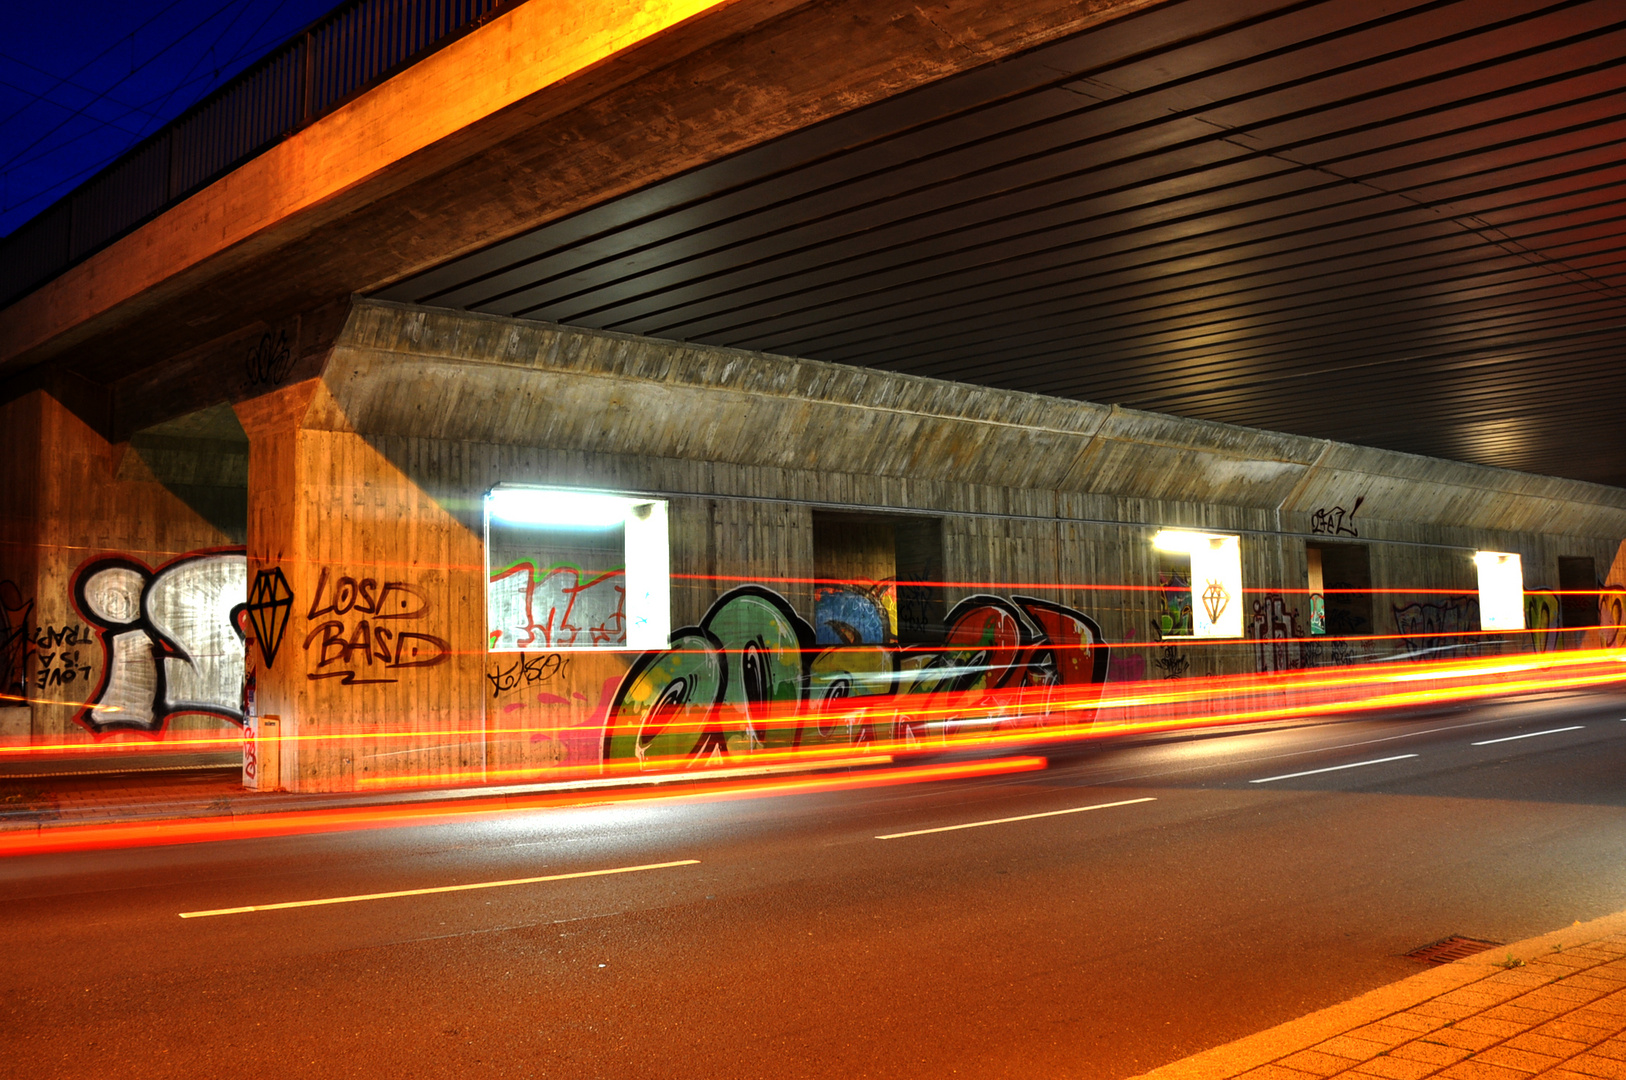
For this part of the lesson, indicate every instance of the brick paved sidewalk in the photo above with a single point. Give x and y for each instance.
(1553, 1007)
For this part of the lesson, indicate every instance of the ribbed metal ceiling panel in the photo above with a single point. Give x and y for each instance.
(1396, 224)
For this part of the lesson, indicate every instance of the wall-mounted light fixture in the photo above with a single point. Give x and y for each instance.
(1501, 590)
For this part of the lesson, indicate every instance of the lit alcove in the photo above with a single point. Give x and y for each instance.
(1501, 590)
(1213, 562)
(574, 569)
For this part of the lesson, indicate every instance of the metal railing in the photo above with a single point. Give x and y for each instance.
(347, 51)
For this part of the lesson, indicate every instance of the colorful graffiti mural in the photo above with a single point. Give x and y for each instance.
(858, 613)
(753, 676)
(1543, 618)
(169, 637)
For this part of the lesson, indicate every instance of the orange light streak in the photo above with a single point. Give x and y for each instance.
(66, 838)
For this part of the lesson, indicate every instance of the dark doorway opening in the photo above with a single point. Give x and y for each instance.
(1578, 591)
(1344, 574)
(878, 579)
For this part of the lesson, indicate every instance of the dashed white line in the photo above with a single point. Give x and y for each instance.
(1007, 820)
(1530, 735)
(1331, 768)
(436, 889)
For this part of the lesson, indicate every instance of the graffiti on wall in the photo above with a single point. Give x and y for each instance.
(1336, 521)
(1428, 630)
(270, 603)
(752, 676)
(1275, 631)
(15, 613)
(556, 607)
(1174, 615)
(62, 656)
(1612, 616)
(1543, 617)
(1172, 663)
(510, 673)
(856, 613)
(169, 637)
(270, 359)
(364, 631)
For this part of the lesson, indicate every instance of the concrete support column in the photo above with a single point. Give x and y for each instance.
(368, 602)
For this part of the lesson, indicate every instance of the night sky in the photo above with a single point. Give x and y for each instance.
(80, 83)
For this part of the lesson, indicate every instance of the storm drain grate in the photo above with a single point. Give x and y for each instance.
(1452, 948)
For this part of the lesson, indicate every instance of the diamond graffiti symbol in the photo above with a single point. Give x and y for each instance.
(270, 601)
(1214, 600)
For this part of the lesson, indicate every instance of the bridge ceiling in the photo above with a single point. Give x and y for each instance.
(1396, 224)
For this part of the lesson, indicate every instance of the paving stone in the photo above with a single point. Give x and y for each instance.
(1593, 1065)
(1317, 1063)
(1413, 1021)
(1490, 1025)
(1444, 1010)
(1566, 1027)
(1347, 1047)
(1523, 1014)
(1277, 1072)
(1438, 1054)
(1479, 1070)
(1395, 1068)
(1383, 1032)
(1546, 1044)
(1506, 1056)
(1467, 1040)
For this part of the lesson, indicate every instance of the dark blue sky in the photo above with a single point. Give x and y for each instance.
(81, 82)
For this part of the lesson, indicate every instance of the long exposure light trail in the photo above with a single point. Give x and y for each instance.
(61, 838)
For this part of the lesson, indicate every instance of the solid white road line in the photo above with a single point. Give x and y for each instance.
(1006, 820)
(1333, 768)
(1530, 735)
(437, 889)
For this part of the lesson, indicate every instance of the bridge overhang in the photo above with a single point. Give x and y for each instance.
(551, 107)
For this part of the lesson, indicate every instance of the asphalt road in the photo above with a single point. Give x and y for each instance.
(1096, 943)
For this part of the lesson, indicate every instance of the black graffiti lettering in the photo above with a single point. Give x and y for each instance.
(527, 670)
(1336, 521)
(365, 642)
(398, 600)
(344, 596)
(419, 650)
(1172, 662)
(332, 634)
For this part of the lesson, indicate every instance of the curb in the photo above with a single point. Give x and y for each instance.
(1253, 1051)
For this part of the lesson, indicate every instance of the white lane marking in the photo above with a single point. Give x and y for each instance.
(436, 889)
(1529, 735)
(1007, 820)
(1331, 768)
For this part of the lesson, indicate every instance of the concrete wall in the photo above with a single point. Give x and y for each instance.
(361, 479)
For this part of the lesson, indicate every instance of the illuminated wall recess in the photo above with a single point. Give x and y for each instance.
(1501, 591)
(571, 569)
(1216, 579)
